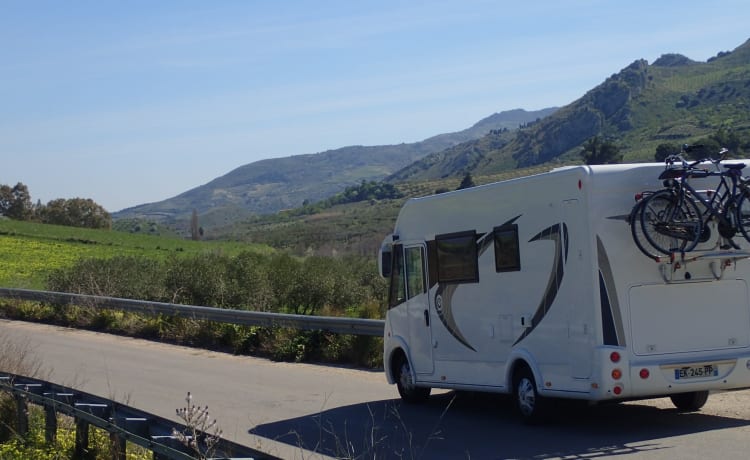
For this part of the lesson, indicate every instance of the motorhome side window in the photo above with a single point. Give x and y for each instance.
(397, 293)
(507, 257)
(457, 257)
(415, 276)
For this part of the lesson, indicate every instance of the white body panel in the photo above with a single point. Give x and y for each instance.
(582, 291)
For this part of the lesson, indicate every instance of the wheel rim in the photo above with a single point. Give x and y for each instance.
(405, 376)
(526, 396)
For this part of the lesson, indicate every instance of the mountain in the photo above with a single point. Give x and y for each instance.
(271, 185)
(675, 100)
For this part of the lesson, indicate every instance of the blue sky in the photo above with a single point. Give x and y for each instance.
(134, 102)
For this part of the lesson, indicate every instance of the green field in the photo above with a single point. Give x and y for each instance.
(29, 251)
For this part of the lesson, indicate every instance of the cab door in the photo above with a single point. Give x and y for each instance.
(418, 308)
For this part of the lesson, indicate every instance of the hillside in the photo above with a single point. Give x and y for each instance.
(268, 186)
(675, 99)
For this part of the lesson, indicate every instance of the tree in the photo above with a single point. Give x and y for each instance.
(76, 212)
(15, 202)
(195, 232)
(466, 182)
(597, 151)
(665, 150)
(6, 198)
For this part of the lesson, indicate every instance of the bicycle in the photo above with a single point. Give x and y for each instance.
(636, 229)
(671, 219)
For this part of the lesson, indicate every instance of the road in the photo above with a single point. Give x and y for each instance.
(278, 407)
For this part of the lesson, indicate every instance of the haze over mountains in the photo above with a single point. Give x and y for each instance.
(674, 99)
(271, 185)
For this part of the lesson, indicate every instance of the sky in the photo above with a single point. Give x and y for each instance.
(135, 102)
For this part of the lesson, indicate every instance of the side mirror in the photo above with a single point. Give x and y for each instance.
(385, 262)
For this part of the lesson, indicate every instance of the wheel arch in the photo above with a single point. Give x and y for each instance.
(519, 360)
(396, 347)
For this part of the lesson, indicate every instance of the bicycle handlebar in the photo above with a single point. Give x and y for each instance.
(672, 159)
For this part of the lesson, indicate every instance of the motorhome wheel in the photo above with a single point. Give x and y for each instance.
(529, 403)
(689, 402)
(409, 392)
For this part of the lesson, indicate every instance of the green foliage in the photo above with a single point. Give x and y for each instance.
(665, 150)
(597, 151)
(348, 286)
(33, 446)
(364, 192)
(31, 251)
(76, 212)
(15, 202)
(128, 277)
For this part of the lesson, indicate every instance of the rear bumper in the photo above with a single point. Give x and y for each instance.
(665, 375)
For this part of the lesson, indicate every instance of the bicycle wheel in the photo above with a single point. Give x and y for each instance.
(636, 230)
(743, 215)
(670, 224)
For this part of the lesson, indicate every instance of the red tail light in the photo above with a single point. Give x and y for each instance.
(644, 373)
(614, 357)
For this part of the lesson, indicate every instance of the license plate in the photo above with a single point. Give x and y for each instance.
(696, 372)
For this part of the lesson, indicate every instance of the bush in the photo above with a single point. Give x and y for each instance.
(248, 281)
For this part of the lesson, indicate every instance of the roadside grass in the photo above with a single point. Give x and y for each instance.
(34, 445)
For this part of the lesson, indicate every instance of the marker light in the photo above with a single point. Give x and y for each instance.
(638, 196)
(644, 373)
(614, 357)
(617, 390)
(616, 374)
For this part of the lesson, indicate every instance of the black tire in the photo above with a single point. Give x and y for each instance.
(409, 392)
(689, 402)
(743, 215)
(669, 224)
(636, 230)
(530, 405)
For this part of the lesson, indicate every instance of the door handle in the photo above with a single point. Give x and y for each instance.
(427, 318)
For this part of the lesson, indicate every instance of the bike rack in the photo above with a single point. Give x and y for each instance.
(718, 262)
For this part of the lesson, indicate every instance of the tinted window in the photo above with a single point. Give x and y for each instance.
(507, 256)
(397, 293)
(457, 258)
(415, 284)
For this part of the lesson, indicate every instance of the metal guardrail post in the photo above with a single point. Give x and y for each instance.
(82, 438)
(22, 415)
(118, 446)
(50, 424)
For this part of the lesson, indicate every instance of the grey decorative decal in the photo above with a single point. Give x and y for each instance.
(444, 295)
(559, 234)
(608, 294)
(443, 307)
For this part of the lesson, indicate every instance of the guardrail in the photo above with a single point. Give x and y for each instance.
(124, 424)
(339, 325)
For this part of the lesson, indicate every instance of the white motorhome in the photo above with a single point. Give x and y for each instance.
(535, 287)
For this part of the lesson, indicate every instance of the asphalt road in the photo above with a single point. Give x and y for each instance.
(278, 407)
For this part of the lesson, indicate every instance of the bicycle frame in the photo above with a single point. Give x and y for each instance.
(722, 201)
